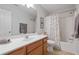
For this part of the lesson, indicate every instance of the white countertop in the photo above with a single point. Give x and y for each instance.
(19, 42)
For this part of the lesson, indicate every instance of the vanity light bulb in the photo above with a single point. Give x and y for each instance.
(30, 5)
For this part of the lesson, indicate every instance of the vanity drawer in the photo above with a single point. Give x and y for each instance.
(34, 46)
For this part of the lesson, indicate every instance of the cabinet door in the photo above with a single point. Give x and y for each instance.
(20, 51)
(33, 46)
(45, 52)
(37, 51)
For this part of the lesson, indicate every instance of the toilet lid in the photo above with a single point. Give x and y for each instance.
(50, 42)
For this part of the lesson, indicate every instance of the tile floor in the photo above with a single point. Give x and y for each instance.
(61, 52)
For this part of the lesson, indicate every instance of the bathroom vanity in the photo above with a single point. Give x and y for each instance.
(37, 46)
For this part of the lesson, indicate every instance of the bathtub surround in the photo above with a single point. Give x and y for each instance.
(66, 25)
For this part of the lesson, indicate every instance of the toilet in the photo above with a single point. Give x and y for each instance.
(51, 44)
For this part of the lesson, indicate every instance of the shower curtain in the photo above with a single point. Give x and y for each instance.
(52, 28)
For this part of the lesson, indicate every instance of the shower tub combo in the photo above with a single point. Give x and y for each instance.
(72, 45)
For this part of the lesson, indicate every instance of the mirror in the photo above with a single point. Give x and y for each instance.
(16, 20)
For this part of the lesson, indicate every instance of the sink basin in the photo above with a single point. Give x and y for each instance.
(33, 36)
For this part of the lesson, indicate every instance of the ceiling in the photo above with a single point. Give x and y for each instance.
(51, 8)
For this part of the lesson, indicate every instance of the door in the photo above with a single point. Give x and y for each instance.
(5, 23)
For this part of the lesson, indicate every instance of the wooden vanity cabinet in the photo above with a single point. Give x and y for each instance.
(20, 51)
(36, 48)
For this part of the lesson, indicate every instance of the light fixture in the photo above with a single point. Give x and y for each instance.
(28, 5)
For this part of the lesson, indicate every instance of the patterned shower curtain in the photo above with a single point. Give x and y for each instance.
(52, 28)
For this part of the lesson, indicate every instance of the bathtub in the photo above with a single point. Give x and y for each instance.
(70, 46)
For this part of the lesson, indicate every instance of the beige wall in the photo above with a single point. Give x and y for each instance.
(40, 13)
